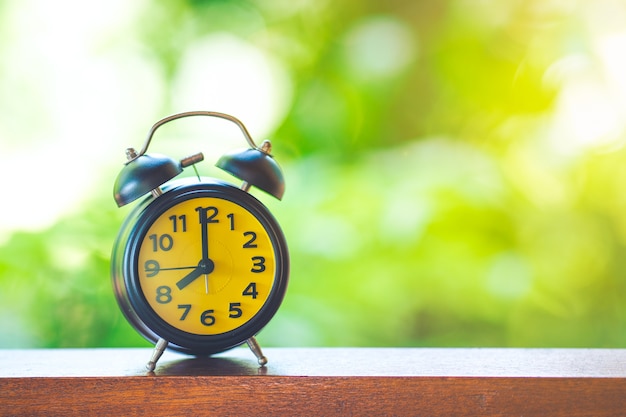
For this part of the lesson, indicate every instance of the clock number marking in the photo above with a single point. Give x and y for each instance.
(207, 318)
(207, 214)
(152, 268)
(163, 294)
(258, 265)
(234, 310)
(185, 307)
(250, 243)
(175, 220)
(164, 242)
(231, 217)
(251, 290)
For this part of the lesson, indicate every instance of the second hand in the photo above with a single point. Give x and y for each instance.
(177, 268)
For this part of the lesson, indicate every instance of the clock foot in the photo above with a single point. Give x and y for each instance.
(159, 348)
(256, 349)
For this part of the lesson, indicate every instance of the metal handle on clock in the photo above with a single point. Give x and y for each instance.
(189, 114)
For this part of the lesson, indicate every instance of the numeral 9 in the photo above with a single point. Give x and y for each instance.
(152, 268)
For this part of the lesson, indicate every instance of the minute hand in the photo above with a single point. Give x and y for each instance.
(206, 265)
(205, 232)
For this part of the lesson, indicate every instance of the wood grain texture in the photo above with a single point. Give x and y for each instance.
(320, 382)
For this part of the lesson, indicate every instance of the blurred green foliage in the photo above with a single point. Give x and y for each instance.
(447, 183)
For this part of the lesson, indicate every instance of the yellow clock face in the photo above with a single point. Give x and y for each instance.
(206, 265)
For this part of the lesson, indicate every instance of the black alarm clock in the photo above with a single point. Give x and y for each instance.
(200, 265)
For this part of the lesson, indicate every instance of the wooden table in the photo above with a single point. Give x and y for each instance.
(316, 382)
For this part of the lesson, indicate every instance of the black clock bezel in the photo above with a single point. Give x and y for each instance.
(131, 298)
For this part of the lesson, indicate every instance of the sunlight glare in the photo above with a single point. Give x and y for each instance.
(66, 103)
(223, 73)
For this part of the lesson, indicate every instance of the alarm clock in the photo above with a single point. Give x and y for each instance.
(199, 265)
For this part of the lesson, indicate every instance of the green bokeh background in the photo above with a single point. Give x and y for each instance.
(454, 169)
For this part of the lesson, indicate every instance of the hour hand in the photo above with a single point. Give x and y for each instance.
(189, 278)
(205, 267)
